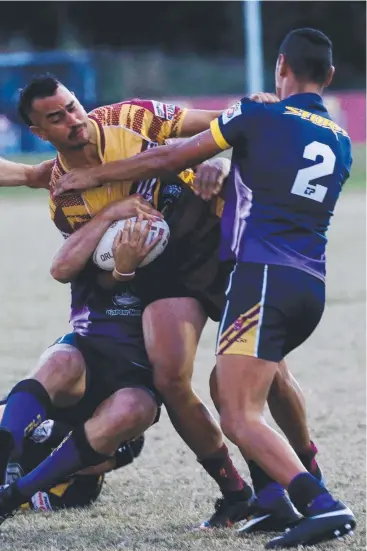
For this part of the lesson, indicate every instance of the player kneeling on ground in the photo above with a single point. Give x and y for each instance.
(98, 375)
(79, 490)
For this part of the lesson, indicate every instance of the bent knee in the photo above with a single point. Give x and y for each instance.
(60, 365)
(131, 410)
(173, 386)
(239, 428)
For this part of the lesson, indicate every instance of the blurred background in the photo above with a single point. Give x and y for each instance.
(192, 53)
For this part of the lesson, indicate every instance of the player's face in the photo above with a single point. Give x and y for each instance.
(278, 69)
(60, 120)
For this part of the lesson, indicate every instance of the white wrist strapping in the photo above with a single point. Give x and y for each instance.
(124, 275)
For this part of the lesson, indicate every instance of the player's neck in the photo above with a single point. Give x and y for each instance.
(296, 87)
(85, 157)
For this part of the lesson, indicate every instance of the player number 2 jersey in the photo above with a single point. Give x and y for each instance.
(289, 163)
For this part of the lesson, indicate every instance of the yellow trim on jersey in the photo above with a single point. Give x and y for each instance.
(180, 122)
(61, 488)
(99, 140)
(62, 163)
(218, 136)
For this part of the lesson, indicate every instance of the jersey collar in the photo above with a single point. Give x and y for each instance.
(306, 100)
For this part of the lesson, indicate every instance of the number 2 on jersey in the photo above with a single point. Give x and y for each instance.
(303, 185)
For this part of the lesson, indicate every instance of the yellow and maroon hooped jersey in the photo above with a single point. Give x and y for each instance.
(123, 130)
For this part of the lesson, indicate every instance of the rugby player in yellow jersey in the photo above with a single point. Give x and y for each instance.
(176, 320)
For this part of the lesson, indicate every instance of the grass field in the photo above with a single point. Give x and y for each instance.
(150, 506)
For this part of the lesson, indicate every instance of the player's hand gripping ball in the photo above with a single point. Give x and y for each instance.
(103, 255)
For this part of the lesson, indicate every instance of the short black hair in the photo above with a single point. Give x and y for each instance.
(309, 53)
(42, 86)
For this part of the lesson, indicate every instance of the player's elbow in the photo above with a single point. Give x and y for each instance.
(59, 272)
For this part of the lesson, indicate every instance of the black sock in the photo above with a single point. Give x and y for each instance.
(260, 479)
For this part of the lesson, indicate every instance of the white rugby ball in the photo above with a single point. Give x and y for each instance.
(103, 256)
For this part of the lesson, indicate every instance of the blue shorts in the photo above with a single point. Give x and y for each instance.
(107, 372)
(270, 310)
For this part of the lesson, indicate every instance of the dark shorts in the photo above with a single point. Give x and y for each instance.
(270, 310)
(107, 373)
(189, 267)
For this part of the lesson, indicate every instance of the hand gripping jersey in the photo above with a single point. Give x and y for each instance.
(290, 161)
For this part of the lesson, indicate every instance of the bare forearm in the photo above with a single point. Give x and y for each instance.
(14, 174)
(157, 162)
(74, 254)
(197, 120)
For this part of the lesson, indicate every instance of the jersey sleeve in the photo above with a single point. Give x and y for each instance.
(348, 159)
(155, 120)
(236, 123)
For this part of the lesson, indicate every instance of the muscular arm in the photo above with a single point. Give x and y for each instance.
(18, 174)
(180, 153)
(74, 254)
(160, 161)
(14, 174)
(196, 121)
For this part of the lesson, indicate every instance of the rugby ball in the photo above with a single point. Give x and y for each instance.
(103, 256)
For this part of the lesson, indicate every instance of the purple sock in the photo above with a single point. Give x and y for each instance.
(73, 454)
(309, 495)
(25, 409)
(269, 495)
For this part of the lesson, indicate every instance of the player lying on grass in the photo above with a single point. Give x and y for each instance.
(275, 222)
(188, 272)
(101, 382)
(79, 490)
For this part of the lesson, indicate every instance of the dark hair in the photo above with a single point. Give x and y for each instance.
(309, 53)
(42, 86)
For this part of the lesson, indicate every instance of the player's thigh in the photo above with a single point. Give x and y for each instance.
(243, 387)
(172, 329)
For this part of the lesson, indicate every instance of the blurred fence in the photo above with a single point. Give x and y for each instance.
(104, 76)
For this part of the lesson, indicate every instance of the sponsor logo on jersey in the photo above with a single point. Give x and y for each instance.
(231, 112)
(125, 299)
(315, 119)
(159, 109)
(43, 431)
(172, 191)
(41, 502)
(170, 111)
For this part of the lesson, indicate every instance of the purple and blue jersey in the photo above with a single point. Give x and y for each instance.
(289, 163)
(112, 317)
